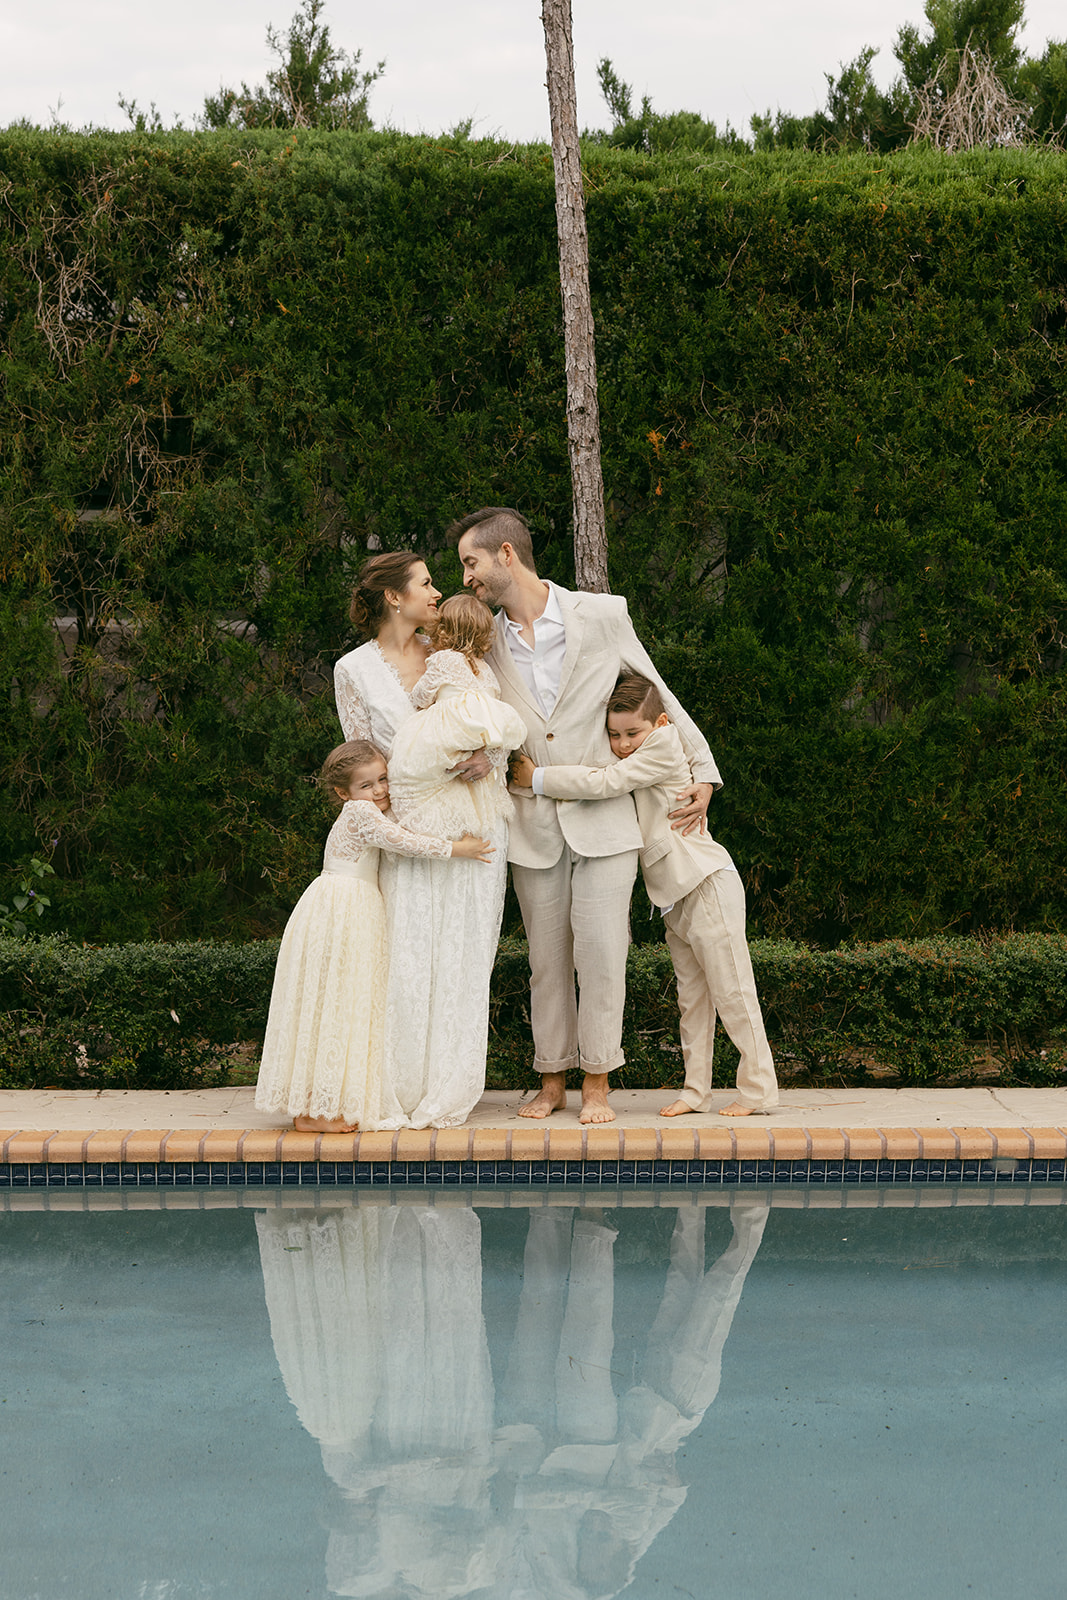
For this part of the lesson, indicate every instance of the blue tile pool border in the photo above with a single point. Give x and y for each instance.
(428, 1174)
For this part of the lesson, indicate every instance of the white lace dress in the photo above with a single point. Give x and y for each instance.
(377, 1323)
(442, 919)
(322, 1052)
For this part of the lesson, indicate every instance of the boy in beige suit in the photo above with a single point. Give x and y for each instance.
(557, 656)
(694, 883)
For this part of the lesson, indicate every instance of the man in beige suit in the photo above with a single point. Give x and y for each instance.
(558, 655)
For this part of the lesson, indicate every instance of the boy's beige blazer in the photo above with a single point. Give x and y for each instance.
(601, 644)
(672, 862)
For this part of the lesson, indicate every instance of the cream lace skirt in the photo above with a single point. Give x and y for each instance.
(323, 1047)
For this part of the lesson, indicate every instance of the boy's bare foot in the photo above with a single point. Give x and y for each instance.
(324, 1125)
(736, 1110)
(677, 1108)
(595, 1106)
(552, 1096)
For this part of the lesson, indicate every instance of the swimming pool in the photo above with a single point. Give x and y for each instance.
(504, 1393)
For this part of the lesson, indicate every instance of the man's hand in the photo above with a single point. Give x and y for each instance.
(475, 765)
(522, 770)
(691, 807)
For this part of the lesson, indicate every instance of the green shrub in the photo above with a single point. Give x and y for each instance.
(170, 1016)
(139, 1016)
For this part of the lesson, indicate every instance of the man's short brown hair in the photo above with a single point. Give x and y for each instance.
(637, 695)
(493, 526)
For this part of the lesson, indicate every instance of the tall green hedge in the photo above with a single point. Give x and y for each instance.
(832, 396)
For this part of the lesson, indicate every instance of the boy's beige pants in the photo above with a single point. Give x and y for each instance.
(706, 938)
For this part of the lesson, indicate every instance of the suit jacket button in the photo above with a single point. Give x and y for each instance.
(550, 735)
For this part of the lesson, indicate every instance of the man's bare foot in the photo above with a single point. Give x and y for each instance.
(677, 1108)
(324, 1125)
(551, 1097)
(595, 1106)
(736, 1110)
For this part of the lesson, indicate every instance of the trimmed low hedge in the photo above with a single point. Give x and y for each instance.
(177, 1015)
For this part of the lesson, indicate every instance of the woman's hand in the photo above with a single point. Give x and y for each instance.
(522, 770)
(475, 765)
(472, 849)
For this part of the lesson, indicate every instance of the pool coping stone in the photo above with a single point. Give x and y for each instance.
(216, 1136)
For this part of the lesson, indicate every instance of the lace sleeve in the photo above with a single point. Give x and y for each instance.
(352, 709)
(361, 825)
(443, 667)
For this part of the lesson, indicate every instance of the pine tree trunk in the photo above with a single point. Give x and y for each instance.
(583, 415)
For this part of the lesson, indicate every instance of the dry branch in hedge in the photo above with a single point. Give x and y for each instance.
(977, 111)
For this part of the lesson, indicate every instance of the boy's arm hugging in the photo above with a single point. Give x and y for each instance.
(635, 658)
(642, 770)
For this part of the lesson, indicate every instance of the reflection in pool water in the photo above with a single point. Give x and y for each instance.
(557, 1485)
(509, 1396)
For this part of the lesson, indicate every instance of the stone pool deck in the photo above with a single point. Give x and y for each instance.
(48, 1127)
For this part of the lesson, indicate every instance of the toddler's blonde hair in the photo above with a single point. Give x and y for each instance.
(464, 623)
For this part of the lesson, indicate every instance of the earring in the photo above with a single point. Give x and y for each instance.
(397, 610)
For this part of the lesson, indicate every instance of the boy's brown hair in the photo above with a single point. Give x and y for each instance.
(340, 764)
(637, 695)
(464, 623)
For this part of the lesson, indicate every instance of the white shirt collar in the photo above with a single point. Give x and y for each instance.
(552, 612)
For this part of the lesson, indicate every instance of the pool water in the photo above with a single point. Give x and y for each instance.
(516, 1396)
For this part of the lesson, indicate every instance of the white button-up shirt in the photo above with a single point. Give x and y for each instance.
(541, 666)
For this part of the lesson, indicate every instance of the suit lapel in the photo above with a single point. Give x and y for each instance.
(503, 664)
(574, 628)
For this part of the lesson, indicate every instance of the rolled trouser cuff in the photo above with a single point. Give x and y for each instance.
(568, 1065)
(597, 1067)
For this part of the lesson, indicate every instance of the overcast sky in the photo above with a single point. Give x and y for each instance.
(447, 60)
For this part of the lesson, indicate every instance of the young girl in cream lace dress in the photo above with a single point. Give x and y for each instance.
(322, 1050)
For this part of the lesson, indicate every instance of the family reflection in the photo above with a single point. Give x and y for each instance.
(553, 1487)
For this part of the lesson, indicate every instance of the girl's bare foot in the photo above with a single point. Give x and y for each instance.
(677, 1108)
(324, 1125)
(736, 1110)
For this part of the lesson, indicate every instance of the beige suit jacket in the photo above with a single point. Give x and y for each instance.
(601, 644)
(672, 862)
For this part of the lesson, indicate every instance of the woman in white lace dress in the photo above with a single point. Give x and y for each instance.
(322, 1050)
(442, 924)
